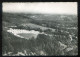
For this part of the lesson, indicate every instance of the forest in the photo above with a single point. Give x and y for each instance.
(60, 35)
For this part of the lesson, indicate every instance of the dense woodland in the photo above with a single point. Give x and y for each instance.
(49, 44)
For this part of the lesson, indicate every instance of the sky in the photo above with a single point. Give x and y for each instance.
(40, 7)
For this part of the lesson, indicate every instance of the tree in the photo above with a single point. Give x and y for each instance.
(49, 31)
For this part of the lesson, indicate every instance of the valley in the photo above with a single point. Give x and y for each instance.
(39, 34)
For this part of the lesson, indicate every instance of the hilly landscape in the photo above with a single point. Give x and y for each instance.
(26, 34)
